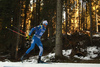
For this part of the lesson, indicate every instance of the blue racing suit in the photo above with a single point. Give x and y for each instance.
(39, 30)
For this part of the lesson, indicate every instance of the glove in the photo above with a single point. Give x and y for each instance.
(28, 37)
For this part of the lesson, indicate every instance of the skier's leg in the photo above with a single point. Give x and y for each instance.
(40, 52)
(39, 44)
(32, 46)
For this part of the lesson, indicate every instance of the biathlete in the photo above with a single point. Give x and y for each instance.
(39, 30)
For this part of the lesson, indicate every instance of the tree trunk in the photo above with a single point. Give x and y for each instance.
(79, 16)
(90, 23)
(37, 12)
(95, 19)
(66, 16)
(18, 26)
(58, 46)
(86, 16)
(25, 17)
(50, 29)
(82, 17)
(25, 12)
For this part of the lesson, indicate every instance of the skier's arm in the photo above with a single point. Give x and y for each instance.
(32, 31)
(35, 28)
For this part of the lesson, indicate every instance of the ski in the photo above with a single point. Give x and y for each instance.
(44, 63)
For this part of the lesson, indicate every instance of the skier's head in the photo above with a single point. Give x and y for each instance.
(45, 23)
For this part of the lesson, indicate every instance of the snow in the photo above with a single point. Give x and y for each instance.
(96, 35)
(27, 64)
(32, 61)
(92, 52)
(67, 52)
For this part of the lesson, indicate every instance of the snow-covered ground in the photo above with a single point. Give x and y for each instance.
(32, 61)
(27, 64)
(92, 52)
(96, 35)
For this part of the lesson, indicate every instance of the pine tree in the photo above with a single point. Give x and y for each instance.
(58, 47)
(90, 23)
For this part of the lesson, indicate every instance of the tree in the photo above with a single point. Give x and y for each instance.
(79, 15)
(58, 47)
(18, 26)
(86, 15)
(66, 1)
(90, 23)
(9, 39)
(25, 12)
(37, 12)
(47, 13)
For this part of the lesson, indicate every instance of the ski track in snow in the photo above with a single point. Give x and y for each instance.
(28, 64)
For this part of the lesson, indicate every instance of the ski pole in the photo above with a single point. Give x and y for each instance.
(19, 29)
(15, 32)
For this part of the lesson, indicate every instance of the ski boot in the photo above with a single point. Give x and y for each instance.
(23, 57)
(40, 61)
